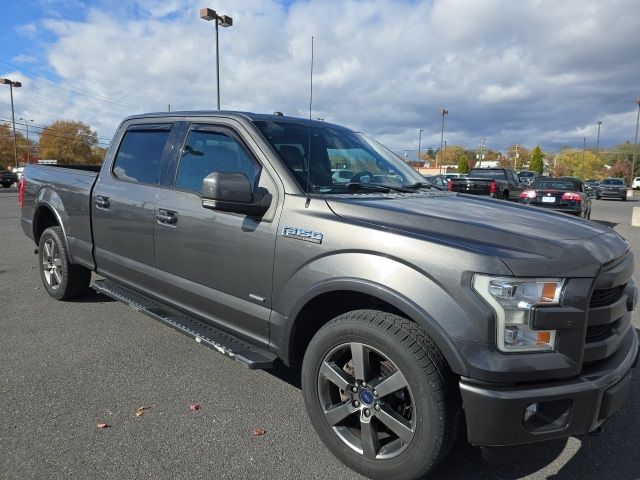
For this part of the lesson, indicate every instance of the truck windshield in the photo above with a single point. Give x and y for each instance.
(340, 159)
(486, 173)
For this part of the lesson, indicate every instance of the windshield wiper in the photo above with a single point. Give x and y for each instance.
(418, 185)
(368, 186)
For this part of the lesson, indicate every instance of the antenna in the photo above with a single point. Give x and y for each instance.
(309, 137)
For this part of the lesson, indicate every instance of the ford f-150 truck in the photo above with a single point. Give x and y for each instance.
(494, 182)
(410, 310)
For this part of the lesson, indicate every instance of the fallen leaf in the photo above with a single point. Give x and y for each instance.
(194, 406)
(101, 425)
(258, 432)
(140, 410)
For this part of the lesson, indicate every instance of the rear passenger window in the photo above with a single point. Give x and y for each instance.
(140, 154)
(209, 151)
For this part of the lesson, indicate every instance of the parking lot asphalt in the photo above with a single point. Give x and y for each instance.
(65, 366)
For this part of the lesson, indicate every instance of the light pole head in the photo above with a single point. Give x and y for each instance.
(638, 101)
(208, 14)
(444, 112)
(225, 21)
(6, 81)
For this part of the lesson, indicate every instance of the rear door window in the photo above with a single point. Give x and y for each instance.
(140, 154)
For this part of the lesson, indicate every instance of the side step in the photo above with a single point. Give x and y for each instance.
(229, 345)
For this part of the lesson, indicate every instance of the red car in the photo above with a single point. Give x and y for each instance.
(561, 194)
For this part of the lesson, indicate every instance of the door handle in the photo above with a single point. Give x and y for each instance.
(102, 202)
(167, 217)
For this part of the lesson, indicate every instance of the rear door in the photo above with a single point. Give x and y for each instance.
(123, 203)
(216, 265)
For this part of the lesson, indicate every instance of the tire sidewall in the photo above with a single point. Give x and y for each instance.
(420, 455)
(53, 234)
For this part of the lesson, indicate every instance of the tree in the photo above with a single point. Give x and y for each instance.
(536, 164)
(68, 142)
(578, 164)
(463, 165)
(6, 145)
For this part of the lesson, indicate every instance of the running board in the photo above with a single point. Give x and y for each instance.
(229, 345)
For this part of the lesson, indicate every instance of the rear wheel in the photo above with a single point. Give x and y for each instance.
(6, 185)
(380, 395)
(62, 279)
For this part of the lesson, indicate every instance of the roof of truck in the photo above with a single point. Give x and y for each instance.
(251, 116)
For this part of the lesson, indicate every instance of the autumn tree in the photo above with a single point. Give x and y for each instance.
(68, 142)
(578, 164)
(6, 145)
(536, 164)
(463, 165)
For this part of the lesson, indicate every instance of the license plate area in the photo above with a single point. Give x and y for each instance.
(548, 199)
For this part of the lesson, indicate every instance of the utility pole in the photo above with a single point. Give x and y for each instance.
(168, 107)
(584, 148)
(419, 144)
(12, 84)
(443, 112)
(635, 151)
(515, 160)
(26, 124)
(598, 140)
(480, 156)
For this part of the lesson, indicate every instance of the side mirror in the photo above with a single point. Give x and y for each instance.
(231, 192)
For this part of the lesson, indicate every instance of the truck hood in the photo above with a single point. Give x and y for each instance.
(559, 244)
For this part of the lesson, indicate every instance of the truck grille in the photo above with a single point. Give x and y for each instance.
(598, 332)
(606, 296)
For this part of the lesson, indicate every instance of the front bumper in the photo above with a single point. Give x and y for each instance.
(495, 414)
(605, 194)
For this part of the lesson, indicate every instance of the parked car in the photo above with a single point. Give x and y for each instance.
(636, 183)
(408, 308)
(612, 188)
(590, 186)
(454, 175)
(19, 172)
(8, 178)
(528, 176)
(495, 182)
(565, 195)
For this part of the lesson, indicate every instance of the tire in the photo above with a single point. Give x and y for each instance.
(426, 394)
(597, 197)
(6, 185)
(505, 195)
(61, 279)
(624, 199)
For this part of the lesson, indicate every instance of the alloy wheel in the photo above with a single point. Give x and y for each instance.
(52, 264)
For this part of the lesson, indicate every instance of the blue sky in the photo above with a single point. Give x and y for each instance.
(528, 71)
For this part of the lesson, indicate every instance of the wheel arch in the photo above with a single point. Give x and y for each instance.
(45, 215)
(328, 299)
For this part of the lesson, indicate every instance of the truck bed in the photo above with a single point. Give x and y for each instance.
(67, 189)
(473, 186)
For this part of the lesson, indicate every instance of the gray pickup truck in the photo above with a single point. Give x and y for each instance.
(414, 313)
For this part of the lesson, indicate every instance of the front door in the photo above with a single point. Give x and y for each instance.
(217, 265)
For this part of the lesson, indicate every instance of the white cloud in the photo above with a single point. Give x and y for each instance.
(519, 72)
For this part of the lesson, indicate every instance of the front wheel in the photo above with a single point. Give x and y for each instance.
(380, 395)
(6, 185)
(62, 279)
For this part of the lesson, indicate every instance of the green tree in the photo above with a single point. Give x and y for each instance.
(463, 165)
(68, 142)
(578, 164)
(536, 164)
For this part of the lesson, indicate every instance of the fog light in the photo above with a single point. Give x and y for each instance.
(530, 411)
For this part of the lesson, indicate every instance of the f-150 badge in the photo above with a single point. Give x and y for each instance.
(302, 234)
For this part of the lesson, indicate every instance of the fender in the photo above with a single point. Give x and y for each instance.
(49, 199)
(282, 328)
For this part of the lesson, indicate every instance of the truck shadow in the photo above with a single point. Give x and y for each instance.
(93, 297)
(605, 223)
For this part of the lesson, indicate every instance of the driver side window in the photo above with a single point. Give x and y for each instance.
(206, 152)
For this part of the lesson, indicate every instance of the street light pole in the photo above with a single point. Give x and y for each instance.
(419, 143)
(225, 21)
(12, 84)
(635, 151)
(584, 147)
(443, 112)
(598, 140)
(26, 124)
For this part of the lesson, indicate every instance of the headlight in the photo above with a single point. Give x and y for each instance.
(513, 300)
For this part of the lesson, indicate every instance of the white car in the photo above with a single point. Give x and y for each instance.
(636, 183)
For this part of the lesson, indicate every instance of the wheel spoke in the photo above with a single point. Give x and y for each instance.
(57, 276)
(391, 384)
(47, 250)
(54, 249)
(398, 425)
(335, 375)
(369, 439)
(360, 356)
(57, 262)
(47, 276)
(336, 413)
